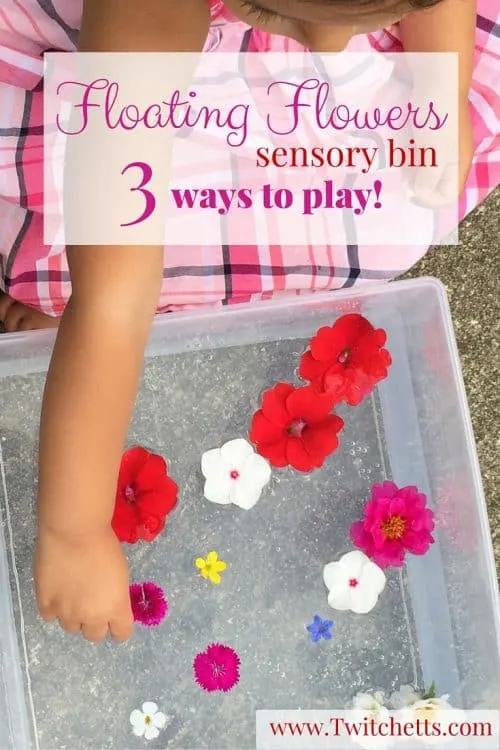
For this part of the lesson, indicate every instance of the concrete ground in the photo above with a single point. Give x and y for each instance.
(471, 273)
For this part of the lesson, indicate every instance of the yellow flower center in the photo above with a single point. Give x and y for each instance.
(428, 713)
(148, 720)
(394, 527)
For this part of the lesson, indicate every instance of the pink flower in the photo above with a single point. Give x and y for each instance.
(149, 605)
(396, 521)
(217, 668)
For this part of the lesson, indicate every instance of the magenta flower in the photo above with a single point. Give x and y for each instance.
(149, 605)
(396, 521)
(217, 668)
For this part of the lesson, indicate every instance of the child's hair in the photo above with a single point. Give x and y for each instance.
(219, 10)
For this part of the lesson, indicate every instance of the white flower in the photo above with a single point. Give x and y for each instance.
(438, 711)
(369, 710)
(234, 474)
(148, 722)
(354, 583)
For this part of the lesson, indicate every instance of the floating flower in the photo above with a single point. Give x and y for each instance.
(354, 583)
(368, 708)
(148, 722)
(145, 496)
(395, 521)
(234, 474)
(211, 567)
(217, 668)
(319, 629)
(149, 605)
(294, 427)
(414, 706)
(346, 359)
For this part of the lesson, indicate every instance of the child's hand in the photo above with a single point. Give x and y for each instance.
(82, 581)
(438, 186)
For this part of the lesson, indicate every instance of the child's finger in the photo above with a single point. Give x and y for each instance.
(70, 625)
(122, 627)
(47, 613)
(95, 632)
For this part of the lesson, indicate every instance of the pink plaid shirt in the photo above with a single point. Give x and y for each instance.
(37, 274)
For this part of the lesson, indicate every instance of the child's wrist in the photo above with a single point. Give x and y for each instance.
(73, 531)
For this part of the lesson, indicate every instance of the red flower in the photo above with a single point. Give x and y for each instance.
(294, 427)
(346, 359)
(144, 497)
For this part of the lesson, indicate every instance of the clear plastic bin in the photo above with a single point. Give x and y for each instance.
(438, 619)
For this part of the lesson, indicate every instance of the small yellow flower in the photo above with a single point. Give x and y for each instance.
(211, 567)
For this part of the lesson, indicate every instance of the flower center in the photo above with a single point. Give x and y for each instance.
(129, 494)
(353, 582)
(148, 720)
(343, 357)
(296, 427)
(218, 669)
(145, 601)
(234, 474)
(394, 527)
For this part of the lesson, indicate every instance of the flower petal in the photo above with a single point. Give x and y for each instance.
(214, 577)
(245, 496)
(132, 461)
(352, 563)
(274, 451)
(212, 557)
(274, 403)
(200, 563)
(159, 720)
(137, 718)
(373, 578)
(263, 432)
(256, 471)
(235, 452)
(310, 369)
(333, 575)
(219, 566)
(298, 457)
(151, 474)
(211, 463)
(139, 730)
(217, 490)
(340, 598)
(149, 708)
(363, 599)
(321, 439)
(151, 732)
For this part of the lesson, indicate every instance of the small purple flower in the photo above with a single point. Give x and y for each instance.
(149, 604)
(319, 629)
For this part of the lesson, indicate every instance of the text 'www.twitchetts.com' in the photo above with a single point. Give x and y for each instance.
(470, 730)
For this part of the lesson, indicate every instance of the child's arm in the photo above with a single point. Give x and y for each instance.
(450, 26)
(81, 572)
